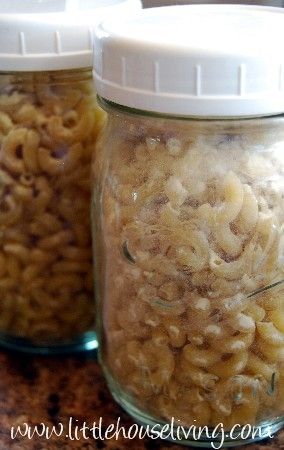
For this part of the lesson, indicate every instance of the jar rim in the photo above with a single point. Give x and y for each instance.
(108, 105)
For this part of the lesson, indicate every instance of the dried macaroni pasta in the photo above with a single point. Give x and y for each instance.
(48, 128)
(191, 228)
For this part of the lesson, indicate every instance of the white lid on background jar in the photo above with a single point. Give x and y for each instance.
(206, 60)
(38, 35)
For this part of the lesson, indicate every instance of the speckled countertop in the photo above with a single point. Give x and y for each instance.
(51, 390)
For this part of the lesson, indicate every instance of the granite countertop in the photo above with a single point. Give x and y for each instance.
(54, 389)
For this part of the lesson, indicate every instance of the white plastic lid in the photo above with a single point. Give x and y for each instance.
(38, 35)
(206, 60)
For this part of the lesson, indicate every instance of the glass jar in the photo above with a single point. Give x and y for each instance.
(49, 121)
(189, 251)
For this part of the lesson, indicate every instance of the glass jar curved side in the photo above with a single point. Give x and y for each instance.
(189, 251)
(49, 124)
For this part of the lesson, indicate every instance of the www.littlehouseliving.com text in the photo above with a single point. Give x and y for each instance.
(99, 431)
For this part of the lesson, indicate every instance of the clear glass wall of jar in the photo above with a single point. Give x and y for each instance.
(48, 125)
(188, 214)
(189, 252)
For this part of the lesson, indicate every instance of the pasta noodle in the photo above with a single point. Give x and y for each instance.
(190, 231)
(48, 127)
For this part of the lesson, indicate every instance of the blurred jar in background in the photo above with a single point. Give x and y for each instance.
(49, 121)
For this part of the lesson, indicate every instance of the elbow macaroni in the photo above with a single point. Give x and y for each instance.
(190, 230)
(48, 126)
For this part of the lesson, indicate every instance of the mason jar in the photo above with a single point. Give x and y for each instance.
(188, 211)
(49, 122)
